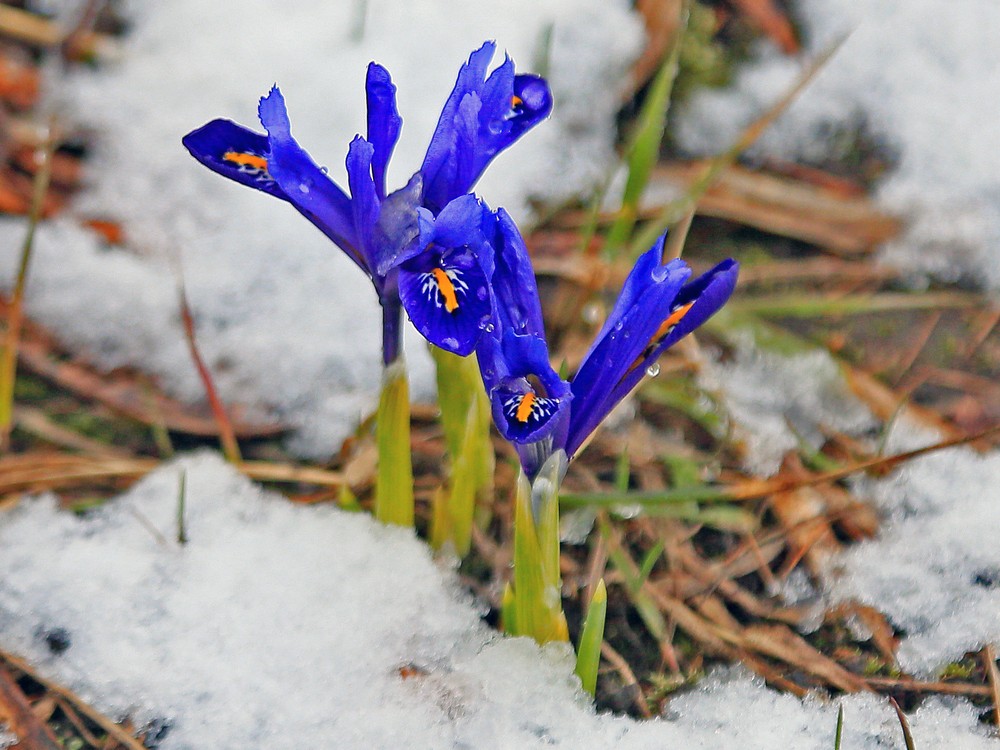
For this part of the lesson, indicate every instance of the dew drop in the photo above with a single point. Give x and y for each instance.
(591, 313)
(618, 325)
(324, 170)
(653, 370)
(660, 273)
(303, 188)
(450, 342)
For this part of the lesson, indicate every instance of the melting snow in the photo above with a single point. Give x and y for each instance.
(286, 626)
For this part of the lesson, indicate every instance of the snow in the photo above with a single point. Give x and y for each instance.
(285, 321)
(286, 626)
(916, 76)
(778, 402)
(935, 568)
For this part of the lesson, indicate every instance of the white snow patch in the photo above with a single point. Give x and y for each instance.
(777, 401)
(285, 626)
(922, 78)
(286, 322)
(935, 567)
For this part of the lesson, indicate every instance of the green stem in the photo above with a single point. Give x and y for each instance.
(394, 491)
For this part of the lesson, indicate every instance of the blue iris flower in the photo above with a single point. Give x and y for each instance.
(532, 406)
(421, 245)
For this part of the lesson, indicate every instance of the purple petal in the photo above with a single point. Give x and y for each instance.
(447, 298)
(234, 152)
(364, 200)
(304, 184)
(656, 309)
(384, 122)
(514, 287)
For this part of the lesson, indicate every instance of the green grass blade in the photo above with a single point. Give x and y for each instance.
(465, 419)
(15, 311)
(537, 582)
(394, 490)
(676, 210)
(840, 728)
(588, 652)
(643, 150)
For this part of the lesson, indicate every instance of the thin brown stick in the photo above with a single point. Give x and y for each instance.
(990, 663)
(908, 685)
(230, 447)
(31, 732)
(628, 677)
(115, 731)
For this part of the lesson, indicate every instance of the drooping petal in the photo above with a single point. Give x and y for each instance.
(482, 117)
(234, 152)
(384, 122)
(529, 399)
(305, 185)
(655, 311)
(447, 297)
(514, 287)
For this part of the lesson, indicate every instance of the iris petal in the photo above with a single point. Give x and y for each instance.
(482, 117)
(654, 312)
(234, 152)
(447, 298)
(384, 122)
(305, 185)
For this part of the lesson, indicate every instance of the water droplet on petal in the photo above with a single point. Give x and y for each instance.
(324, 170)
(653, 370)
(450, 342)
(591, 313)
(303, 188)
(618, 325)
(481, 293)
(660, 273)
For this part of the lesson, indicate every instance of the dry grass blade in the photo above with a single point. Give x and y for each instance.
(993, 678)
(32, 29)
(33, 472)
(907, 735)
(114, 731)
(907, 685)
(844, 224)
(30, 730)
(123, 392)
(230, 447)
(772, 21)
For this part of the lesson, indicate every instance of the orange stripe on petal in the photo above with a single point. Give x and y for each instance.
(246, 160)
(447, 289)
(524, 409)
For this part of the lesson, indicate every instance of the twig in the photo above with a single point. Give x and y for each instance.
(230, 447)
(907, 736)
(628, 678)
(990, 663)
(115, 731)
(32, 733)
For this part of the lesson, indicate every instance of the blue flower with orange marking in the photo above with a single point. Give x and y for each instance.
(535, 409)
(419, 250)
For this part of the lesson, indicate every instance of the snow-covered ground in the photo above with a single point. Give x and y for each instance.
(281, 626)
(918, 76)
